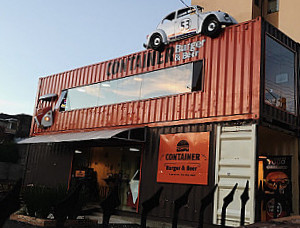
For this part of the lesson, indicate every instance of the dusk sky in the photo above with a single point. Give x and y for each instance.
(43, 37)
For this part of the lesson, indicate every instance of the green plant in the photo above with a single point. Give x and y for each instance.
(40, 199)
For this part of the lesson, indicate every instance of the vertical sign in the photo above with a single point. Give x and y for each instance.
(277, 174)
(183, 158)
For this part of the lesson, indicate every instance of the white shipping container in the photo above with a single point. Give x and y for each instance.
(235, 163)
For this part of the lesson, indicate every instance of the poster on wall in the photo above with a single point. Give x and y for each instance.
(183, 158)
(277, 174)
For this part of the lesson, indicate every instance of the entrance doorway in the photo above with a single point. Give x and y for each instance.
(118, 166)
(277, 174)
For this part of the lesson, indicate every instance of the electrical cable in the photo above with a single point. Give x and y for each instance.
(183, 3)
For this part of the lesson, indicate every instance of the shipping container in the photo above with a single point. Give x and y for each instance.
(229, 86)
(201, 113)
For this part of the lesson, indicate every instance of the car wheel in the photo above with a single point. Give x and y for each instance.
(156, 42)
(212, 27)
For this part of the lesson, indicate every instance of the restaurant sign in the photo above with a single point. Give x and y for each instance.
(143, 60)
(183, 158)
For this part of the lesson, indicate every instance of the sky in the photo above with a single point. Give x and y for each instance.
(43, 37)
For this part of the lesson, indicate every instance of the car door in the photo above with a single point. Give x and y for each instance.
(186, 22)
(167, 25)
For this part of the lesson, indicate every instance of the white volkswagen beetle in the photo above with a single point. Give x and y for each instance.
(187, 22)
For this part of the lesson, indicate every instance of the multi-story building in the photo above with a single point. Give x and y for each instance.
(14, 127)
(202, 112)
(283, 14)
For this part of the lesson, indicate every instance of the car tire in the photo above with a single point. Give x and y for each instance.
(156, 42)
(211, 27)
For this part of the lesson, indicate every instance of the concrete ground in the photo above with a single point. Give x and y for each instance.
(292, 221)
(133, 222)
(14, 224)
(116, 219)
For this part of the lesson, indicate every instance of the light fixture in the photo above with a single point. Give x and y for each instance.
(47, 118)
(105, 85)
(78, 152)
(134, 149)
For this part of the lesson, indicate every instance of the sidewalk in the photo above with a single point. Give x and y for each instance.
(117, 219)
(292, 221)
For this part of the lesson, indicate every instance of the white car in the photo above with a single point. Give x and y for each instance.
(187, 22)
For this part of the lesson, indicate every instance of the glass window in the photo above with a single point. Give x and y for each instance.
(273, 6)
(81, 97)
(280, 76)
(169, 18)
(165, 82)
(61, 103)
(197, 76)
(171, 81)
(118, 91)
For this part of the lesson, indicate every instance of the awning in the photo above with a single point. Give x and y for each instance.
(124, 133)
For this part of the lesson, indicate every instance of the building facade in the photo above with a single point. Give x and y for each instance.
(14, 127)
(202, 112)
(280, 13)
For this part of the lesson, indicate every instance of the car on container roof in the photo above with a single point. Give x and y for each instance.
(187, 22)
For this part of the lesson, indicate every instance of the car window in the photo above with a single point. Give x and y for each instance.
(169, 18)
(186, 11)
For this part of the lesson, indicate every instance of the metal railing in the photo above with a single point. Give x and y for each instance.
(113, 201)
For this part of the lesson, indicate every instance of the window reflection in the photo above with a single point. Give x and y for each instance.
(171, 81)
(107, 94)
(82, 97)
(129, 89)
(158, 83)
(280, 76)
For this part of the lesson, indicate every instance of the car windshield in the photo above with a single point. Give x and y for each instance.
(169, 18)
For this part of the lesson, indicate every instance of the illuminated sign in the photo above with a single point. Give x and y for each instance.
(79, 173)
(183, 158)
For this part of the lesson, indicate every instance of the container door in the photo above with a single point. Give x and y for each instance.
(235, 163)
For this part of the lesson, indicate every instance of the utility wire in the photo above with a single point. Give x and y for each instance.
(184, 3)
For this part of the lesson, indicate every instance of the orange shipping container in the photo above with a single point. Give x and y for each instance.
(231, 84)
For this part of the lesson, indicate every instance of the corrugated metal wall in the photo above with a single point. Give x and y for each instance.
(48, 164)
(231, 85)
(172, 191)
